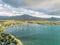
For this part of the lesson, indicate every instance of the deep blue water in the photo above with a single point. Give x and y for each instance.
(35, 34)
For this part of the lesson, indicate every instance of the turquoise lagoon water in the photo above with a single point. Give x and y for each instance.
(35, 34)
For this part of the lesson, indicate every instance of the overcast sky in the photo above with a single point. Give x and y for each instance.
(47, 7)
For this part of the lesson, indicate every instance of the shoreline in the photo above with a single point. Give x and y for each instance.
(19, 41)
(13, 22)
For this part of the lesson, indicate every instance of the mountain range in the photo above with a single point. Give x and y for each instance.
(27, 17)
(25, 14)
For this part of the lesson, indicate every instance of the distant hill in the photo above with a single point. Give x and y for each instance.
(27, 17)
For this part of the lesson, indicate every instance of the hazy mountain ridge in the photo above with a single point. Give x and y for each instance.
(26, 17)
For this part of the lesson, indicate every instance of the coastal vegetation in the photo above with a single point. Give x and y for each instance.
(15, 22)
(8, 23)
(7, 39)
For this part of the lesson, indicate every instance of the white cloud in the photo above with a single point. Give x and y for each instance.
(6, 14)
(3, 11)
(6, 10)
(38, 14)
(47, 6)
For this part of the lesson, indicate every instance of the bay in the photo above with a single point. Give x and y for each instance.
(36, 34)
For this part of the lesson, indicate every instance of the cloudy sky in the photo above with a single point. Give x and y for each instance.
(39, 8)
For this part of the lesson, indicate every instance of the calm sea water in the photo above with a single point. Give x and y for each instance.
(35, 34)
